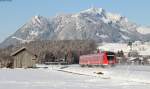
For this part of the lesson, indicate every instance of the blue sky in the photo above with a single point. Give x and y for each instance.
(15, 13)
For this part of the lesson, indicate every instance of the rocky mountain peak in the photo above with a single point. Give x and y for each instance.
(93, 23)
(94, 10)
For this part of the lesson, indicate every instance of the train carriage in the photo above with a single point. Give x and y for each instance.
(102, 58)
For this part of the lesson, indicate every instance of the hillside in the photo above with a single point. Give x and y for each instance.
(94, 23)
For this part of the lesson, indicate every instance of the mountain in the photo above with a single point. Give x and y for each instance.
(93, 23)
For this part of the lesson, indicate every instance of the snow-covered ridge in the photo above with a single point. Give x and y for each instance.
(36, 20)
(21, 40)
(93, 23)
(94, 10)
(115, 17)
(143, 30)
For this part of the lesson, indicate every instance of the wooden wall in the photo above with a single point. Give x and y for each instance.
(24, 59)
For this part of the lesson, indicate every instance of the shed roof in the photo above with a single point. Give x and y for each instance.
(22, 49)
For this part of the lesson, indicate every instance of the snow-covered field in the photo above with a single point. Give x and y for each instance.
(55, 77)
(76, 77)
(142, 48)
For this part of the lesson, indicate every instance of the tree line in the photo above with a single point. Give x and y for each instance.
(54, 51)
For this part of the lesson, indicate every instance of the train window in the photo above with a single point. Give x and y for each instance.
(110, 55)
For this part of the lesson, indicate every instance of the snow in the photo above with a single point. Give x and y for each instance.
(102, 35)
(34, 33)
(135, 73)
(124, 30)
(77, 20)
(132, 73)
(121, 77)
(93, 20)
(22, 40)
(145, 52)
(142, 49)
(96, 11)
(93, 10)
(125, 37)
(143, 30)
(106, 20)
(75, 15)
(114, 17)
(115, 47)
(37, 19)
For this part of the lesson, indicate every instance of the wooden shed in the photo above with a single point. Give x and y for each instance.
(23, 58)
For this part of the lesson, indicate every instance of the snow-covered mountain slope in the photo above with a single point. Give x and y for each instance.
(143, 30)
(143, 48)
(93, 23)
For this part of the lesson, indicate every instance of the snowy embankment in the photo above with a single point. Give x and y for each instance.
(51, 78)
(87, 71)
(134, 73)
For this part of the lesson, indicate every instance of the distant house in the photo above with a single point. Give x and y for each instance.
(23, 58)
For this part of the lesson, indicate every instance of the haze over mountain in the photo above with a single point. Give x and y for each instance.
(94, 23)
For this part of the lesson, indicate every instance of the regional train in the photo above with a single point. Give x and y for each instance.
(102, 58)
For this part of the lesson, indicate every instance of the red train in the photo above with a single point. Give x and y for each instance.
(102, 58)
